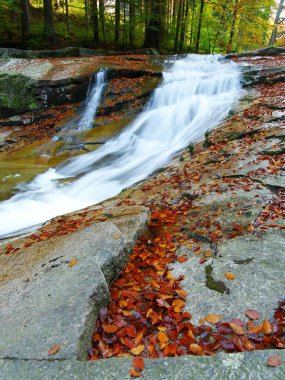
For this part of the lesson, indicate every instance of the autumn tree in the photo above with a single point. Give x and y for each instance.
(277, 22)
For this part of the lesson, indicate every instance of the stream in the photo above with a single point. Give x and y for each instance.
(196, 94)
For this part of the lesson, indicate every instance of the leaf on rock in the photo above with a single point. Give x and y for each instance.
(182, 259)
(134, 373)
(230, 276)
(274, 361)
(266, 327)
(213, 318)
(72, 263)
(237, 329)
(137, 350)
(54, 349)
(252, 314)
(138, 363)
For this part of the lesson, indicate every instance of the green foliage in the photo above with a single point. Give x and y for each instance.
(227, 25)
(191, 148)
(207, 142)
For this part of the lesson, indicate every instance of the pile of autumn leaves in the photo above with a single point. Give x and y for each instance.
(146, 316)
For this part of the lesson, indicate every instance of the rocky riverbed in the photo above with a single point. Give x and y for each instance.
(211, 248)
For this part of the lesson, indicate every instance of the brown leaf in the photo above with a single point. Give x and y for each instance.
(274, 361)
(252, 314)
(54, 349)
(213, 318)
(138, 363)
(137, 350)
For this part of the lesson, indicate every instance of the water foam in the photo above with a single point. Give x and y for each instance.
(196, 93)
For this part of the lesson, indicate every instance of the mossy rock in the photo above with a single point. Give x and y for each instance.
(17, 94)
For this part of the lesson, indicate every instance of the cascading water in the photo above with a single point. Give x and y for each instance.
(92, 101)
(197, 92)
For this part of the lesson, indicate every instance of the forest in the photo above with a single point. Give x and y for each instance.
(199, 26)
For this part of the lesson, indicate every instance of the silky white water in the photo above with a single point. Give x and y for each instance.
(196, 93)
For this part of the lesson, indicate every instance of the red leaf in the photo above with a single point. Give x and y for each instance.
(274, 361)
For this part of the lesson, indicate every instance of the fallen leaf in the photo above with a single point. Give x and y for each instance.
(252, 314)
(116, 236)
(138, 363)
(109, 328)
(162, 337)
(213, 318)
(137, 350)
(182, 259)
(134, 373)
(72, 263)
(239, 330)
(274, 361)
(195, 348)
(54, 349)
(230, 276)
(266, 327)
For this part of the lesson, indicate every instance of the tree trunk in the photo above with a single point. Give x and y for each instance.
(153, 24)
(25, 21)
(131, 22)
(233, 28)
(278, 14)
(102, 19)
(184, 24)
(49, 24)
(199, 26)
(178, 24)
(117, 21)
(96, 22)
(192, 21)
(86, 5)
(67, 16)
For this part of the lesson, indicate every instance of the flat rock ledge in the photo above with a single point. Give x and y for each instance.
(241, 366)
(59, 286)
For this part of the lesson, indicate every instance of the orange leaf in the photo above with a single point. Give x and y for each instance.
(195, 348)
(134, 373)
(72, 263)
(137, 350)
(266, 327)
(274, 361)
(256, 329)
(162, 337)
(138, 363)
(109, 328)
(182, 259)
(230, 276)
(54, 349)
(213, 318)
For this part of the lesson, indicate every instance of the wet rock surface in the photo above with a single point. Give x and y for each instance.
(235, 224)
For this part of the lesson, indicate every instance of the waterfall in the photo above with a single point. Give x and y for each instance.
(93, 99)
(196, 94)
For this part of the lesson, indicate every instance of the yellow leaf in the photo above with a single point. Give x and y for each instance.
(213, 318)
(116, 236)
(137, 350)
(237, 329)
(72, 263)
